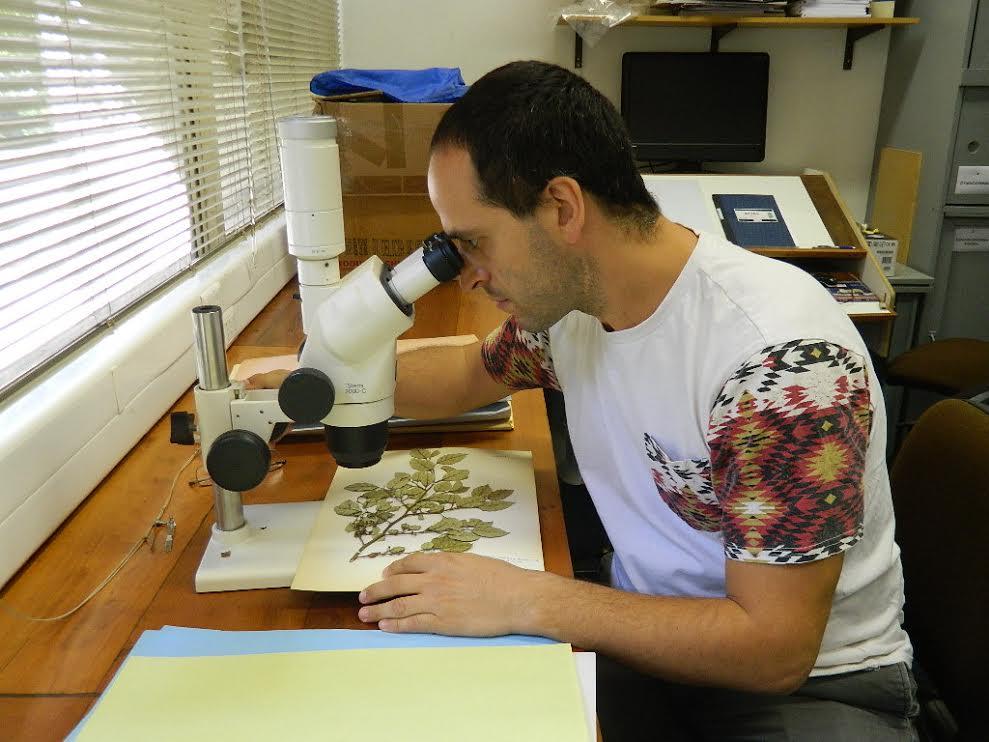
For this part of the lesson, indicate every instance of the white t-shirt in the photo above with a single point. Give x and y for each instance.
(742, 420)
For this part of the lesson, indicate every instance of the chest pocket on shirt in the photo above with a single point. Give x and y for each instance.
(685, 487)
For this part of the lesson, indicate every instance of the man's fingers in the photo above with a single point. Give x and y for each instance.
(420, 623)
(267, 380)
(403, 584)
(412, 564)
(403, 606)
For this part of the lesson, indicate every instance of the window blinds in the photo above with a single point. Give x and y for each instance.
(136, 137)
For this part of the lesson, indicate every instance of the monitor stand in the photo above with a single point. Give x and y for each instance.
(693, 167)
(686, 167)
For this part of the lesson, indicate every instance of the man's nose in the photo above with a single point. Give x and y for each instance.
(472, 277)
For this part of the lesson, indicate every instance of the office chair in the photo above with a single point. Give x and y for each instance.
(940, 484)
(949, 367)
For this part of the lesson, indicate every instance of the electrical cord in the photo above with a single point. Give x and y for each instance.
(202, 479)
(148, 538)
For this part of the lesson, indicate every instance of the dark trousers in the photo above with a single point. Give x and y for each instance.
(873, 705)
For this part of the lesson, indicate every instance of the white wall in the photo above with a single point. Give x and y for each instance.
(820, 115)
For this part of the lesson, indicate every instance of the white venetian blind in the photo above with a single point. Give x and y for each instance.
(136, 137)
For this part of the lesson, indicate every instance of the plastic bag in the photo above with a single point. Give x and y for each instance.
(592, 18)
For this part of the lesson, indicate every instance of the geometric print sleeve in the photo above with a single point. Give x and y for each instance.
(518, 358)
(787, 439)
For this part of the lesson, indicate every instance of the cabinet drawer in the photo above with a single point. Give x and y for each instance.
(971, 150)
(966, 305)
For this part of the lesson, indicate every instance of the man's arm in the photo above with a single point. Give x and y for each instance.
(764, 636)
(434, 379)
(788, 438)
(442, 381)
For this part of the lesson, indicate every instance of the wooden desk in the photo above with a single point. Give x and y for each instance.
(50, 673)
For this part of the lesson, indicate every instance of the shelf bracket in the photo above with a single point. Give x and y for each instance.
(578, 51)
(719, 32)
(852, 35)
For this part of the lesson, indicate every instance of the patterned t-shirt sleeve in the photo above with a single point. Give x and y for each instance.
(518, 358)
(788, 437)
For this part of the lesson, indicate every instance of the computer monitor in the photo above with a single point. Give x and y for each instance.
(694, 107)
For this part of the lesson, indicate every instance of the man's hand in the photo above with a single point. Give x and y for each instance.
(269, 380)
(455, 594)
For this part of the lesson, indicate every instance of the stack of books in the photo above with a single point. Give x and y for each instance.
(849, 291)
(721, 7)
(830, 8)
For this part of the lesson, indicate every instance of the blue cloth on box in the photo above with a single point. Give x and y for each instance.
(433, 85)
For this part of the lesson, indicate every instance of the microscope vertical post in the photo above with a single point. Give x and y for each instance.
(211, 359)
(211, 366)
(252, 546)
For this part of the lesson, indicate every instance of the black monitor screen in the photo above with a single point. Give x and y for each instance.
(696, 107)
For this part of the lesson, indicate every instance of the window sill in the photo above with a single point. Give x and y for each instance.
(65, 431)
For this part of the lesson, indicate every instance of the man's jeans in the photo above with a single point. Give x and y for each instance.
(875, 705)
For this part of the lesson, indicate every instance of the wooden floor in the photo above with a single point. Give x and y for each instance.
(50, 673)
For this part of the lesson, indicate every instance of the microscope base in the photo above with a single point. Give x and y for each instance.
(264, 553)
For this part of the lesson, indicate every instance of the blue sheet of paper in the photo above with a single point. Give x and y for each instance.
(175, 641)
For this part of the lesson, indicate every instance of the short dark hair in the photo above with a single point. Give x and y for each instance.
(527, 122)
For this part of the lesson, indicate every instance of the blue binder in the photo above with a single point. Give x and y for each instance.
(752, 220)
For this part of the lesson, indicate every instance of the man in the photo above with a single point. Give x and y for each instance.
(725, 419)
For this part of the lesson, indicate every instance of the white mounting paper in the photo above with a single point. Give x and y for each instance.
(336, 560)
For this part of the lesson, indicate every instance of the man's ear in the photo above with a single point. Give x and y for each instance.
(569, 202)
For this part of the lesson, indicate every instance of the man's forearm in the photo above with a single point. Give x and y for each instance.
(699, 641)
(441, 381)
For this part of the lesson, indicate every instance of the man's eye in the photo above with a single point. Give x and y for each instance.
(466, 245)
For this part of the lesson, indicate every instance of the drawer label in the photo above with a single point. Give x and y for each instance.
(972, 179)
(971, 239)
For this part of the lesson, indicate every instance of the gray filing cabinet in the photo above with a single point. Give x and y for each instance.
(936, 100)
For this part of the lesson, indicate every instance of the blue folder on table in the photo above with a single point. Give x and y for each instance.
(752, 220)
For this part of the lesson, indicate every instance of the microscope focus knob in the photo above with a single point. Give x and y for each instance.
(238, 460)
(306, 395)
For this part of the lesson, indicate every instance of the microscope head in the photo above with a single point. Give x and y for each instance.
(346, 378)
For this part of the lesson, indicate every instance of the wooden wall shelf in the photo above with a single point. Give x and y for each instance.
(720, 25)
(817, 253)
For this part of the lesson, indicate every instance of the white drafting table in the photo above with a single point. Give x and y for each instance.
(687, 199)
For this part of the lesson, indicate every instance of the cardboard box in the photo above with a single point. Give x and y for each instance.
(390, 227)
(884, 248)
(384, 147)
(384, 155)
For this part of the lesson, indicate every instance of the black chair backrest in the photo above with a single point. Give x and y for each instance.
(940, 483)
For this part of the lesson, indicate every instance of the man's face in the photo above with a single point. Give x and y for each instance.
(514, 260)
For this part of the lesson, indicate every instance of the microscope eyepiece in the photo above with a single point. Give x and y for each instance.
(441, 257)
(437, 260)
